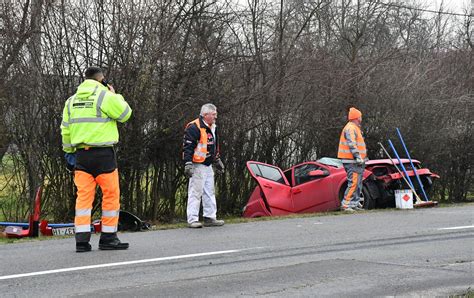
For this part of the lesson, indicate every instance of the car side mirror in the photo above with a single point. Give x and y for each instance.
(318, 173)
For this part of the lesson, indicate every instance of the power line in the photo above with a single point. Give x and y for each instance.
(401, 6)
(425, 10)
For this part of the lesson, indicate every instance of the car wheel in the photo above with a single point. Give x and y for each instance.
(368, 195)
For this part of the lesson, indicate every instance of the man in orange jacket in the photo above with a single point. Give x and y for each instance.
(200, 154)
(353, 154)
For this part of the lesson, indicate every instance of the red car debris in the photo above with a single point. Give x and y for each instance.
(318, 186)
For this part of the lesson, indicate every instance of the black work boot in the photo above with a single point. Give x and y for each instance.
(110, 241)
(82, 242)
(212, 222)
(83, 247)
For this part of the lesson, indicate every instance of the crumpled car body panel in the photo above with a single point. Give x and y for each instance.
(318, 186)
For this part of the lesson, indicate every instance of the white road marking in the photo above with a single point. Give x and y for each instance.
(318, 223)
(120, 264)
(457, 228)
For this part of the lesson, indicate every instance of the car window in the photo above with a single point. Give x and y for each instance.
(302, 173)
(408, 166)
(267, 172)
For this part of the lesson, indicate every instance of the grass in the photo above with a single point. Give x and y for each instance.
(235, 220)
(445, 205)
(156, 226)
(4, 240)
(179, 225)
(468, 294)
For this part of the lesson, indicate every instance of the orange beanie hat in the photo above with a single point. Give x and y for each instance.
(354, 114)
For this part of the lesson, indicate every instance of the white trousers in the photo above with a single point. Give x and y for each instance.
(201, 185)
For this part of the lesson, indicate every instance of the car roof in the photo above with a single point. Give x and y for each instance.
(389, 161)
(335, 162)
(329, 161)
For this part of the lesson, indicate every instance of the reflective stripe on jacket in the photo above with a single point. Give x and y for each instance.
(193, 134)
(90, 117)
(351, 143)
(200, 152)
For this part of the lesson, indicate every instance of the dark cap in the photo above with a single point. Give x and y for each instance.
(92, 71)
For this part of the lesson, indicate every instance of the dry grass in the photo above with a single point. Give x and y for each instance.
(156, 226)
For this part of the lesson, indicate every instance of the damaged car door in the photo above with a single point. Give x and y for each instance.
(312, 189)
(274, 185)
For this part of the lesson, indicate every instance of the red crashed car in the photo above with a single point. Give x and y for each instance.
(318, 186)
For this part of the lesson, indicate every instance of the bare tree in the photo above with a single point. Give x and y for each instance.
(282, 74)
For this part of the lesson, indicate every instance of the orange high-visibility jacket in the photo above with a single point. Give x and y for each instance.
(200, 152)
(351, 143)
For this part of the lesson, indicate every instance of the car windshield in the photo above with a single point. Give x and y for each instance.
(334, 162)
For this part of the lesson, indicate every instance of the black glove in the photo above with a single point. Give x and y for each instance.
(70, 161)
(219, 166)
(189, 169)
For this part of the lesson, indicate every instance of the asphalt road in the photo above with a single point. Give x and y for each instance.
(364, 254)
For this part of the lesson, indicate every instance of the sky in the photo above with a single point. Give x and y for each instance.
(455, 6)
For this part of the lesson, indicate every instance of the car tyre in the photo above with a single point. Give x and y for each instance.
(369, 193)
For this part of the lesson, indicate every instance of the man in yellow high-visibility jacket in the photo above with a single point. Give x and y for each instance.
(353, 154)
(89, 132)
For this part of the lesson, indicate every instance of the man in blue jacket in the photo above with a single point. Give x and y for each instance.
(200, 153)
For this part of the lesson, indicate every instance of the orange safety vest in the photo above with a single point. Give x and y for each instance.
(344, 150)
(200, 152)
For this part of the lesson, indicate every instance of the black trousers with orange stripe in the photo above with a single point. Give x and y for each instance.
(354, 185)
(96, 166)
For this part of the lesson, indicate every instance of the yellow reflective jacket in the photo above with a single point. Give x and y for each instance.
(90, 117)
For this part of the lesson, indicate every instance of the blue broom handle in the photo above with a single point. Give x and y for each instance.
(401, 164)
(412, 166)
